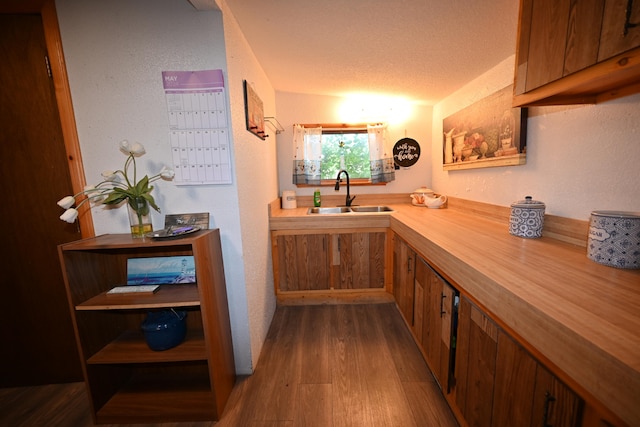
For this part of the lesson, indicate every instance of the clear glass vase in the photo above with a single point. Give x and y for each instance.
(139, 217)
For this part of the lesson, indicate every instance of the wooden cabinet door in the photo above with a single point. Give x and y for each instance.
(545, 42)
(583, 35)
(420, 301)
(515, 383)
(554, 404)
(437, 321)
(526, 394)
(303, 262)
(477, 343)
(433, 323)
(403, 277)
(613, 40)
(558, 38)
(361, 260)
(446, 325)
(565, 51)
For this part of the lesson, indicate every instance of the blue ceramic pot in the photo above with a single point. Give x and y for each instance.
(164, 329)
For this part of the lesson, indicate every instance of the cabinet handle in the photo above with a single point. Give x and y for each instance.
(442, 311)
(628, 24)
(409, 260)
(548, 399)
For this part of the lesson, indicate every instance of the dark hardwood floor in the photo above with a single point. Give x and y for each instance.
(321, 365)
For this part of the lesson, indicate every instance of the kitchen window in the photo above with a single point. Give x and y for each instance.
(346, 149)
(322, 150)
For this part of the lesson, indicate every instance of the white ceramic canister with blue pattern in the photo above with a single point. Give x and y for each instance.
(527, 218)
(614, 239)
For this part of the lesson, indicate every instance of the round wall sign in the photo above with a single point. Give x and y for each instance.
(406, 152)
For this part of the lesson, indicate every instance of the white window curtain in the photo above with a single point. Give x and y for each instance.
(380, 154)
(307, 155)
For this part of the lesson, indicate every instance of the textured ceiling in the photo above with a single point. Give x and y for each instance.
(422, 50)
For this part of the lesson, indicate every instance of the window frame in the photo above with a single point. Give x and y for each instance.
(336, 128)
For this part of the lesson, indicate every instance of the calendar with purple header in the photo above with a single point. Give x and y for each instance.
(198, 126)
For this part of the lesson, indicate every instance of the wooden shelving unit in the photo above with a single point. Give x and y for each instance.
(128, 382)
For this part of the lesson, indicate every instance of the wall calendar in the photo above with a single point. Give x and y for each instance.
(198, 126)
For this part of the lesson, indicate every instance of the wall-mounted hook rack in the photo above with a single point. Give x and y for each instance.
(275, 124)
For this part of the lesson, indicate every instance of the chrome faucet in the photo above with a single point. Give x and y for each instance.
(337, 188)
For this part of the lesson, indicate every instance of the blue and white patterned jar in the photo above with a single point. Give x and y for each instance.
(614, 239)
(527, 218)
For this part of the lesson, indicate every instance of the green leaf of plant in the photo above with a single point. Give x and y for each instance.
(142, 187)
(115, 197)
(149, 198)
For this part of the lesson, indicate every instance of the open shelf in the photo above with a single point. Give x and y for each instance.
(131, 347)
(151, 398)
(166, 297)
(127, 381)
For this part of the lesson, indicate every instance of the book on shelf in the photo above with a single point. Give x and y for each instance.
(134, 289)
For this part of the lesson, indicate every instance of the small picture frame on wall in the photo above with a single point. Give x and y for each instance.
(488, 133)
(254, 111)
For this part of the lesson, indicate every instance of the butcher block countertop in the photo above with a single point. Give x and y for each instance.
(580, 318)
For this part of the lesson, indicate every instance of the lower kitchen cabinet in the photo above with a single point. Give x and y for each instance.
(436, 312)
(404, 264)
(487, 377)
(499, 383)
(528, 394)
(427, 303)
(475, 370)
(314, 262)
(302, 262)
(514, 384)
(360, 259)
(592, 417)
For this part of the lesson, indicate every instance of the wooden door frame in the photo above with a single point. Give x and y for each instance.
(47, 10)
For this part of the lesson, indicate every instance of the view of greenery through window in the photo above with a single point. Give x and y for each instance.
(353, 145)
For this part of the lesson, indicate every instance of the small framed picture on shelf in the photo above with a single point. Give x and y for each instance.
(200, 220)
(169, 270)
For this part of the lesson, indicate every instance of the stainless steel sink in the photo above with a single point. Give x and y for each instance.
(336, 210)
(346, 210)
(371, 209)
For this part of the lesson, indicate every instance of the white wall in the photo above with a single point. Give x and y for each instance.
(115, 52)
(306, 108)
(257, 178)
(579, 158)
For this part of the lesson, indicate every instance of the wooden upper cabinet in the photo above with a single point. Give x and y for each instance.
(547, 41)
(614, 40)
(583, 35)
(576, 51)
